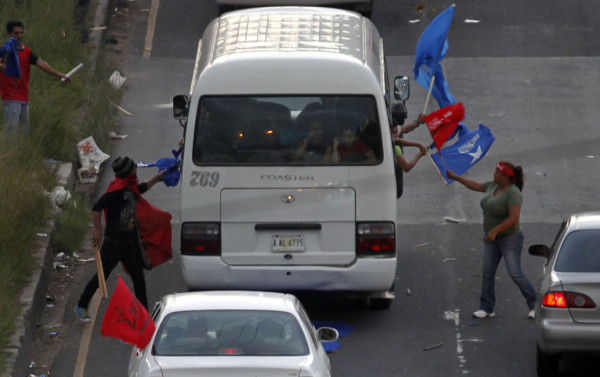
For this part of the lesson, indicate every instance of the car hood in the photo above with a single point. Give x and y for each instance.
(231, 366)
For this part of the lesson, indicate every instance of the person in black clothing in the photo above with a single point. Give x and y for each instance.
(121, 240)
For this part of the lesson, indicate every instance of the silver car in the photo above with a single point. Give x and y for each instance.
(232, 333)
(567, 314)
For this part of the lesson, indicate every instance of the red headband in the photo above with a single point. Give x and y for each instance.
(502, 168)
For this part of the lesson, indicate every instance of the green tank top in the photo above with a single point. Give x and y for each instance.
(495, 208)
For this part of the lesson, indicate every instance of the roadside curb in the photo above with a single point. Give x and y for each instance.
(32, 298)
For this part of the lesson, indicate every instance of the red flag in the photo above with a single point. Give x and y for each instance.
(154, 226)
(443, 122)
(127, 319)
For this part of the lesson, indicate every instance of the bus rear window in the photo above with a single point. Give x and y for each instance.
(287, 130)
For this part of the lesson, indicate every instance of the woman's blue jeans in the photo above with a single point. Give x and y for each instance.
(507, 246)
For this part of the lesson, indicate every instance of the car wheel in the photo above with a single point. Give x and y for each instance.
(547, 364)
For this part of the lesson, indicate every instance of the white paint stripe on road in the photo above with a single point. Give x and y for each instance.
(454, 315)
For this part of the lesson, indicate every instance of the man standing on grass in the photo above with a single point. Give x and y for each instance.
(14, 81)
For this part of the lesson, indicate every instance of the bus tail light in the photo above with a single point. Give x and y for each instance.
(201, 239)
(376, 239)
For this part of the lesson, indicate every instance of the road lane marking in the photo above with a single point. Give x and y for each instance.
(454, 316)
(151, 28)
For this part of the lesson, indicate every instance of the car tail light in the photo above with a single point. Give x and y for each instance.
(201, 239)
(568, 300)
(375, 239)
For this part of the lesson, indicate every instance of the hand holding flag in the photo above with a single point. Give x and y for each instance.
(170, 165)
(469, 149)
(443, 122)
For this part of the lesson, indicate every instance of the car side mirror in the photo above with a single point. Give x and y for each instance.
(539, 251)
(181, 106)
(328, 334)
(401, 88)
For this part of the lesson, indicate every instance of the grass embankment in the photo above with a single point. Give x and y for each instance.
(60, 116)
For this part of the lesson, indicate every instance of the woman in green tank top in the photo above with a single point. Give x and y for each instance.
(503, 233)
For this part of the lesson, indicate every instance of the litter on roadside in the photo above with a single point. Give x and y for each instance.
(121, 109)
(117, 80)
(113, 135)
(429, 348)
(452, 220)
(91, 157)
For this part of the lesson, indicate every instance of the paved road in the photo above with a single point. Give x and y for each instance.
(528, 70)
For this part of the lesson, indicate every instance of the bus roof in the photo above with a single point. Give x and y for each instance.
(289, 31)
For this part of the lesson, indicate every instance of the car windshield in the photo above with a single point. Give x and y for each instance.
(287, 130)
(580, 252)
(230, 333)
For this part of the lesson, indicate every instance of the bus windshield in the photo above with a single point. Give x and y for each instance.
(287, 130)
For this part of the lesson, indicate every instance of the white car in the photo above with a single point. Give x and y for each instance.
(232, 333)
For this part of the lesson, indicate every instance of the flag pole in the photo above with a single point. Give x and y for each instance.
(101, 279)
(437, 168)
(428, 94)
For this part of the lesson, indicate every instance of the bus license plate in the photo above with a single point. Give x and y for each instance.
(286, 243)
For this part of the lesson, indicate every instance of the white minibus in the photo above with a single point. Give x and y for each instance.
(289, 174)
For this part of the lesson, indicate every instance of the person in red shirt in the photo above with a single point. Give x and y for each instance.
(347, 148)
(15, 90)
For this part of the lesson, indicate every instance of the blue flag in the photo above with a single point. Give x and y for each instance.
(469, 149)
(9, 52)
(440, 90)
(431, 49)
(170, 164)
